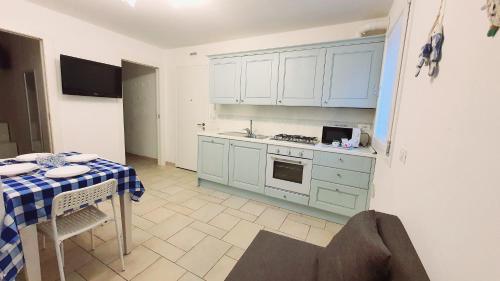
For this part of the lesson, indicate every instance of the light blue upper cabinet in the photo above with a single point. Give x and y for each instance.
(213, 157)
(247, 165)
(352, 75)
(225, 77)
(259, 79)
(301, 77)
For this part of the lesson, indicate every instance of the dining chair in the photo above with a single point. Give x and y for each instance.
(73, 212)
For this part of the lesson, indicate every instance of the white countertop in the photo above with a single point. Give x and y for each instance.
(361, 151)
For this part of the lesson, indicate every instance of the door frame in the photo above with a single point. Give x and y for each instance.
(46, 114)
(158, 111)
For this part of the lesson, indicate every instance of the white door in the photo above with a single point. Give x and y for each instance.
(193, 107)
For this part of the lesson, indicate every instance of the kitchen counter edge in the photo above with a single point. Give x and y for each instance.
(361, 151)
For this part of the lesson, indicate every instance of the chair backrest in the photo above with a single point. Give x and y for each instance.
(77, 199)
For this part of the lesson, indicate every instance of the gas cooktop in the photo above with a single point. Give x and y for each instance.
(295, 138)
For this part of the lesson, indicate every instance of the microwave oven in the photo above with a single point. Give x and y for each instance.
(331, 134)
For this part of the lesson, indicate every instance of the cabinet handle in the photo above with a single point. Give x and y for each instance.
(336, 189)
(279, 101)
(339, 175)
(341, 160)
(326, 102)
(242, 101)
(237, 100)
(284, 196)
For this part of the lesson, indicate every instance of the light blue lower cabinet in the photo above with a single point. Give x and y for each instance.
(247, 165)
(336, 198)
(213, 159)
(335, 193)
(287, 196)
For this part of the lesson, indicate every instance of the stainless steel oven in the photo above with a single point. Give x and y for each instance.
(289, 169)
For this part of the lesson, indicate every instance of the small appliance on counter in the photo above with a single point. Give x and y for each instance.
(338, 135)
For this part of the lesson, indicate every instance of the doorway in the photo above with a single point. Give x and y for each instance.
(193, 113)
(24, 118)
(140, 109)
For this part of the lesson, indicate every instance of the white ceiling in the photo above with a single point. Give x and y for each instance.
(165, 25)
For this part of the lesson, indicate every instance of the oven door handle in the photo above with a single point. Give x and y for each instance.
(288, 161)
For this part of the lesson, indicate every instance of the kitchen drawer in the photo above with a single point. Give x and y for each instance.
(287, 196)
(343, 161)
(345, 177)
(290, 151)
(337, 198)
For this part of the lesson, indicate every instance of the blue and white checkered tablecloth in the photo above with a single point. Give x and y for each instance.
(28, 200)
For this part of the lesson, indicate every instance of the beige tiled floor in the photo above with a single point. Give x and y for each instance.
(181, 232)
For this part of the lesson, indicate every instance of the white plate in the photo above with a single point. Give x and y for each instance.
(67, 171)
(17, 169)
(81, 158)
(31, 157)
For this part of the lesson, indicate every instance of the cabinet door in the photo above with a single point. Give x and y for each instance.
(225, 76)
(213, 159)
(259, 79)
(301, 77)
(352, 75)
(337, 198)
(247, 165)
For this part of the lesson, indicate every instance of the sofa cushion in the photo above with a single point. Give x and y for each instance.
(272, 257)
(357, 252)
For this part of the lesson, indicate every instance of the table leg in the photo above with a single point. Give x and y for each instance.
(126, 213)
(29, 239)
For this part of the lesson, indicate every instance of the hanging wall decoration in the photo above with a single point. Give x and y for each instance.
(492, 7)
(432, 50)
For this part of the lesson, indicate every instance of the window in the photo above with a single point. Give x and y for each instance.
(389, 84)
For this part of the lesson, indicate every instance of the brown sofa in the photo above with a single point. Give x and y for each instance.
(372, 246)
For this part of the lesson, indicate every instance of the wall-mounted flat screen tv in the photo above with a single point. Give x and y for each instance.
(89, 78)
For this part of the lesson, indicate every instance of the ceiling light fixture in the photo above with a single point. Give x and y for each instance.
(185, 3)
(131, 3)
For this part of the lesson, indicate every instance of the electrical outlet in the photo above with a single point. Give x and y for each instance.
(403, 154)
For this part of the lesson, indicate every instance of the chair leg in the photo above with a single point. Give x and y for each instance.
(44, 245)
(92, 242)
(59, 260)
(62, 252)
(118, 235)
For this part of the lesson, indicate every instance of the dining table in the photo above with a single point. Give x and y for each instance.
(28, 201)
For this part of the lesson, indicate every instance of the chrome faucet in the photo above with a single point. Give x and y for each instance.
(250, 133)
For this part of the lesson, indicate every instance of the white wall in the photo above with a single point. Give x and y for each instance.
(83, 124)
(139, 105)
(447, 193)
(268, 119)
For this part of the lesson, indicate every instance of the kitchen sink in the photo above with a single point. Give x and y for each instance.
(243, 135)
